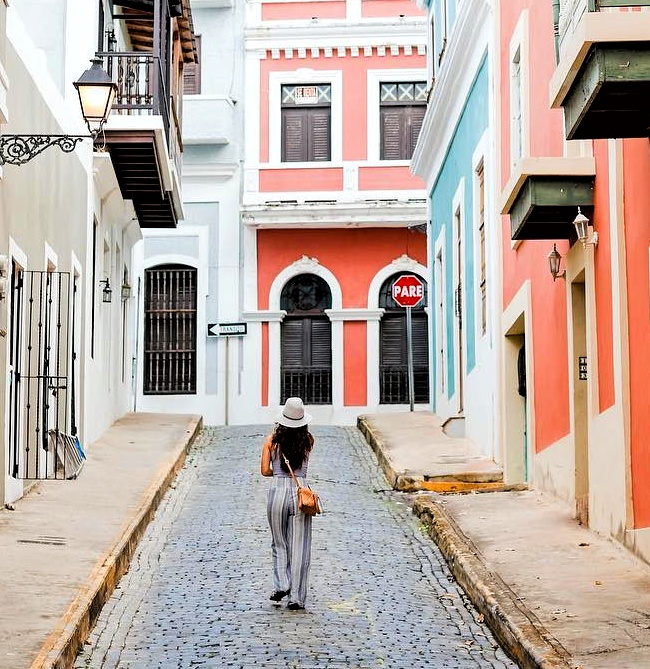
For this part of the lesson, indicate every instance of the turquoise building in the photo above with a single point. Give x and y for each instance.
(456, 155)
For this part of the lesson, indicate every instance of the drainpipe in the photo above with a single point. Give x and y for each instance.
(556, 29)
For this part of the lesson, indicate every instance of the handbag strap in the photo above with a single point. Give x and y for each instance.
(293, 476)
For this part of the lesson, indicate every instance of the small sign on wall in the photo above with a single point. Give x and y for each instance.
(306, 95)
(582, 368)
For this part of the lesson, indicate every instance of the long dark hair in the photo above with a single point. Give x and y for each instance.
(295, 444)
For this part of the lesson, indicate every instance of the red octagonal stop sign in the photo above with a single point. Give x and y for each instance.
(408, 290)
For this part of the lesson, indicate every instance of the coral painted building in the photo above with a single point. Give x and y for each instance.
(574, 150)
(331, 215)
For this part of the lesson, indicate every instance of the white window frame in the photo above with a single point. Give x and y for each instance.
(440, 317)
(305, 76)
(458, 275)
(480, 157)
(519, 91)
(373, 80)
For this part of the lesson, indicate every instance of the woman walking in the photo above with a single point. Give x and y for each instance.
(290, 527)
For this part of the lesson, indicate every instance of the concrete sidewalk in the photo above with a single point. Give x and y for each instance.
(555, 594)
(66, 544)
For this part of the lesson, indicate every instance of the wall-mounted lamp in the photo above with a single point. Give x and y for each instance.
(586, 234)
(554, 259)
(126, 290)
(96, 93)
(107, 291)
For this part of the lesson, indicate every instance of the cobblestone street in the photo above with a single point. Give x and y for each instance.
(197, 592)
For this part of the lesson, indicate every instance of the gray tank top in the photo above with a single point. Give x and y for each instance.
(278, 471)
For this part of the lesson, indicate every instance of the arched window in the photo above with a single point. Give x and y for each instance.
(306, 340)
(393, 351)
(170, 330)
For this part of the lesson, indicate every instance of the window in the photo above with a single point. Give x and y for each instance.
(306, 340)
(516, 117)
(393, 363)
(445, 29)
(440, 320)
(480, 215)
(402, 108)
(192, 73)
(431, 45)
(306, 122)
(170, 330)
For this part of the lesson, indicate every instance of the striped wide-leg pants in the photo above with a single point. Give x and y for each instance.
(290, 539)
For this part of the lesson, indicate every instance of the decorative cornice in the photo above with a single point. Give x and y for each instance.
(305, 264)
(372, 213)
(409, 32)
(354, 314)
(327, 51)
(450, 92)
(405, 263)
(263, 316)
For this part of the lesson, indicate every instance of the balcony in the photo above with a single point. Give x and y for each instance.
(602, 78)
(208, 119)
(142, 137)
(543, 196)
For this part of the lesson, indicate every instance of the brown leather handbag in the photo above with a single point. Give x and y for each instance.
(308, 499)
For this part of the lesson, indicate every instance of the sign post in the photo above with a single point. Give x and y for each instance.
(408, 292)
(227, 330)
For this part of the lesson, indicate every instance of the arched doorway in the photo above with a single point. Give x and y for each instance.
(306, 340)
(393, 352)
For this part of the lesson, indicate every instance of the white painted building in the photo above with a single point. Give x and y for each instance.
(204, 252)
(68, 226)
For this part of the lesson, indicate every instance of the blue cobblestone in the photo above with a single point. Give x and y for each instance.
(196, 594)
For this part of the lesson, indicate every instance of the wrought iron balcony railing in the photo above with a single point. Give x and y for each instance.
(142, 90)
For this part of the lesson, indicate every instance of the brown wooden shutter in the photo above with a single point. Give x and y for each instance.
(391, 133)
(292, 343)
(305, 134)
(393, 341)
(192, 73)
(414, 127)
(294, 135)
(400, 128)
(321, 343)
(320, 133)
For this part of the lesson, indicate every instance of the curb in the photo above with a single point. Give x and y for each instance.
(518, 631)
(378, 447)
(59, 651)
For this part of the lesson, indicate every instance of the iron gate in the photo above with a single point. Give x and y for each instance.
(42, 427)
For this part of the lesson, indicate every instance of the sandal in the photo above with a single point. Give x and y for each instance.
(278, 595)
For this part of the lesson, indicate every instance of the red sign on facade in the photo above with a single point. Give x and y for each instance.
(408, 290)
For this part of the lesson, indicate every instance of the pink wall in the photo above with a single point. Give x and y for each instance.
(383, 9)
(636, 156)
(603, 279)
(297, 179)
(346, 254)
(379, 178)
(355, 111)
(355, 366)
(302, 10)
(528, 261)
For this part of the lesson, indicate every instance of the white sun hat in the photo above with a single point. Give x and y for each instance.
(293, 413)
